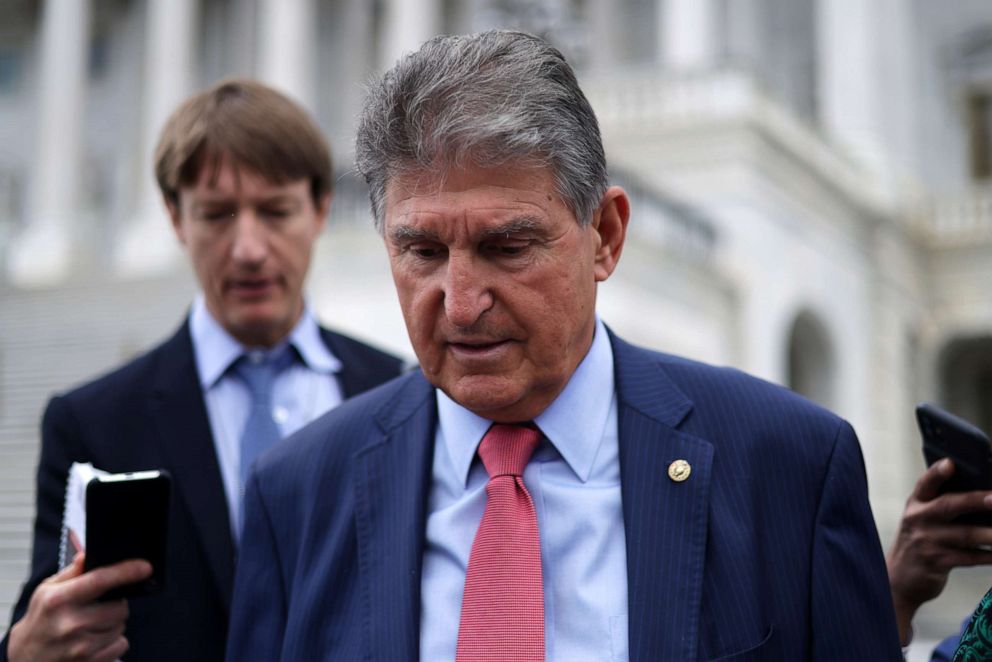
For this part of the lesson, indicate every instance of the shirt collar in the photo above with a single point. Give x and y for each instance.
(215, 349)
(305, 337)
(574, 423)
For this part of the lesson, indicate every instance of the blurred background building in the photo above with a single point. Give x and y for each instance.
(810, 183)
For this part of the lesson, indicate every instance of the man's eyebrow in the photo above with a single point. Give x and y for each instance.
(279, 198)
(519, 225)
(410, 233)
(211, 198)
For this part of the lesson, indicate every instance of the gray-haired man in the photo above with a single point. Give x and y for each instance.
(542, 489)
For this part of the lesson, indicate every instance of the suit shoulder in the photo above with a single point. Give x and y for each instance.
(764, 399)
(727, 393)
(129, 379)
(362, 352)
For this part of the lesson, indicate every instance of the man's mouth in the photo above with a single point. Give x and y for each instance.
(251, 287)
(478, 349)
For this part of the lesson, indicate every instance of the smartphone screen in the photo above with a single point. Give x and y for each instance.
(127, 517)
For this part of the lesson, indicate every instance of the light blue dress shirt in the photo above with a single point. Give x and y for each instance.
(301, 393)
(575, 483)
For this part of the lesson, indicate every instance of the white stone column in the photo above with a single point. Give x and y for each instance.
(287, 47)
(866, 72)
(687, 31)
(743, 35)
(41, 254)
(355, 63)
(607, 19)
(406, 25)
(849, 76)
(244, 50)
(149, 245)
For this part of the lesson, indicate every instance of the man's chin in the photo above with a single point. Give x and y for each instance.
(495, 398)
(259, 330)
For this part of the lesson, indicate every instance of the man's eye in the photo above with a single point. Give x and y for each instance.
(216, 214)
(505, 250)
(425, 251)
(275, 212)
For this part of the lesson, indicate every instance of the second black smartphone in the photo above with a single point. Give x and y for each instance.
(127, 518)
(947, 435)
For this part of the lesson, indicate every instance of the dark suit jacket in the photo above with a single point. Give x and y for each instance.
(151, 414)
(767, 552)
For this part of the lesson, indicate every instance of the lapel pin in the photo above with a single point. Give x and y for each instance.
(679, 470)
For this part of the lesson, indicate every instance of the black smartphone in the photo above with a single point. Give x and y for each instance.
(946, 435)
(127, 517)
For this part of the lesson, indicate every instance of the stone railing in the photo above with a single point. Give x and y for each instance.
(958, 220)
(648, 103)
(665, 221)
(634, 97)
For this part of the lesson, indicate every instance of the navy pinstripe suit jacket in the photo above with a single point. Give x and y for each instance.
(767, 552)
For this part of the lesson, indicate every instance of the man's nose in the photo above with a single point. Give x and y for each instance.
(467, 291)
(250, 244)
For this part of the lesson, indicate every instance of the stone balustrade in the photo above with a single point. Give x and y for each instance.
(958, 220)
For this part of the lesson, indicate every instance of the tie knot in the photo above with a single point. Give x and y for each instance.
(258, 369)
(506, 449)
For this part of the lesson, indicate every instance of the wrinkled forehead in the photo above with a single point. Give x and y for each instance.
(474, 204)
(441, 177)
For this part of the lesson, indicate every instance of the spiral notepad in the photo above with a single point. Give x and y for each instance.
(73, 539)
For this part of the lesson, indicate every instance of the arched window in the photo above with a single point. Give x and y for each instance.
(811, 360)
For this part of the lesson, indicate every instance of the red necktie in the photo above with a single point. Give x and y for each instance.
(503, 604)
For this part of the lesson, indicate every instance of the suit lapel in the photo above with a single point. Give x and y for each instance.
(179, 415)
(351, 375)
(665, 521)
(391, 490)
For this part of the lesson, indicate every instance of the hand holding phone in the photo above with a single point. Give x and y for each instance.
(68, 597)
(927, 545)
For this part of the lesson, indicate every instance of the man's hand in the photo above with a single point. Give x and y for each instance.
(929, 544)
(64, 620)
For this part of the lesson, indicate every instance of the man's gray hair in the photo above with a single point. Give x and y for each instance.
(483, 100)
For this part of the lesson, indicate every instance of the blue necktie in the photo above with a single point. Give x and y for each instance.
(259, 372)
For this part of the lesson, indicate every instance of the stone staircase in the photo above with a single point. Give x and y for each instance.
(50, 340)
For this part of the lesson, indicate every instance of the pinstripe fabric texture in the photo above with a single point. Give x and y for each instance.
(503, 605)
(768, 551)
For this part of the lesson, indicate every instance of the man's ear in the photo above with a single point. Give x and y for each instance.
(610, 223)
(175, 215)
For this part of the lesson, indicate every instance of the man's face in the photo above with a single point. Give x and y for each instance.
(497, 282)
(250, 242)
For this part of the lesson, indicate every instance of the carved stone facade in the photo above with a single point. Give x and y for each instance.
(810, 183)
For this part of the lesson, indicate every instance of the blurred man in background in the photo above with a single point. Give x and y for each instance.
(246, 178)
